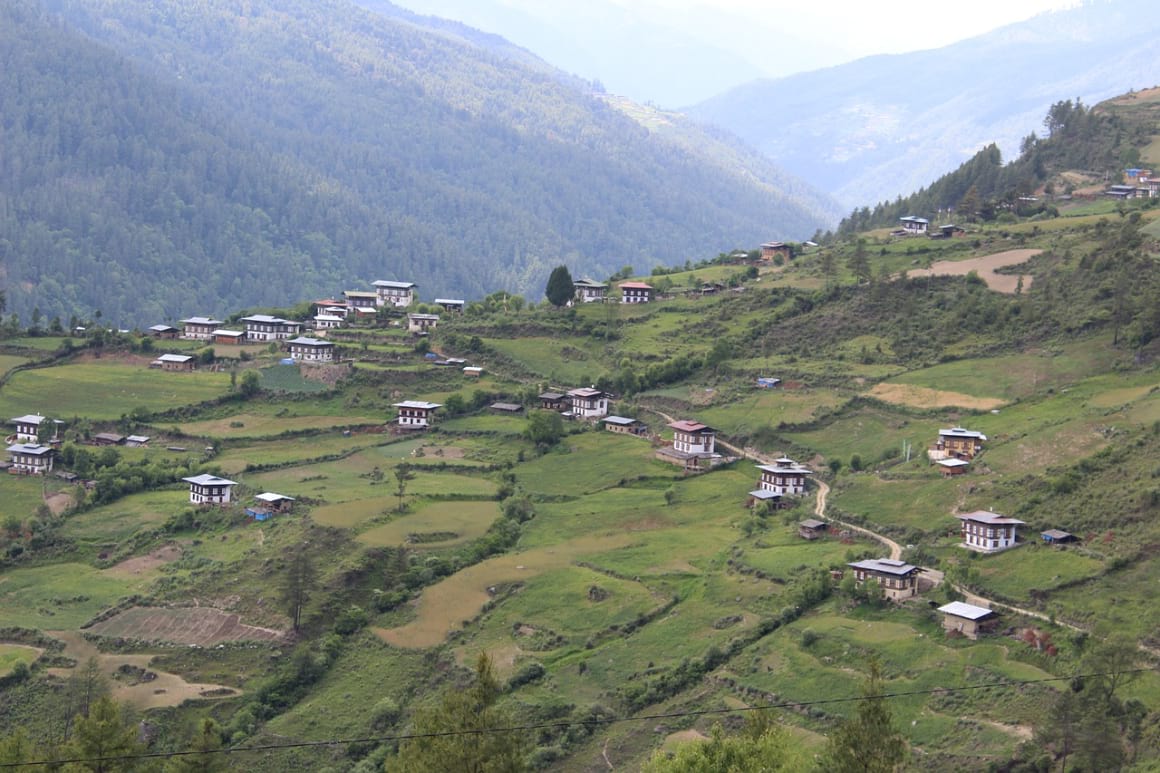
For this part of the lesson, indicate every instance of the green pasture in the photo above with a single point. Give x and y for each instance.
(783, 554)
(13, 654)
(589, 462)
(106, 389)
(41, 343)
(1034, 566)
(870, 432)
(112, 523)
(348, 515)
(1124, 603)
(571, 360)
(466, 520)
(10, 361)
(501, 424)
(288, 378)
(252, 424)
(768, 408)
(22, 495)
(235, 458)
(60, 596)
(925, 504)
(1017, 376)
(342, 480)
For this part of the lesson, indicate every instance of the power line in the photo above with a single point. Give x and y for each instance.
(560, 725)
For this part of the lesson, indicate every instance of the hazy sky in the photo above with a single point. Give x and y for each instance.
(863, 27)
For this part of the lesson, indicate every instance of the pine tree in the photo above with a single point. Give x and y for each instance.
(205, 758)
(299, 581)
(868, 742)
(560, 289)
(102, 739)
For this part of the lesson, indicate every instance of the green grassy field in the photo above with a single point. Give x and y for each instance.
(10, 361)
(768, 408)
(1015, 573)
(259, 425)
(12, 654)
(106, 389)
(590, 461)
(60, 596)
(464, 520)
(112, 523)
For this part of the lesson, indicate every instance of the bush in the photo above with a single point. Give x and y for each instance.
(385, 713)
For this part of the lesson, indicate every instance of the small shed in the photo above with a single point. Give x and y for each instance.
(163, 331)
(760, 496)
(506, 407)
(966, 619)
(624, 425)
(108, 439)
(474, 371)
(812, 529)
(949, 467)
(553, 401)
(767, 382)
(174, 362)
(1057, 536)
(137, 441)
(277, 503)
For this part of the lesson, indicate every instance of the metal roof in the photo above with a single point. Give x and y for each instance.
(418, 404)
(885, 566)
(210, 480)
(962, 609)
(986, 516)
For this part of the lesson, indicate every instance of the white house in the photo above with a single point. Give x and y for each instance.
(416, 414)
(30, 459)
(988, 532)
(199, 328)
(783, 477)
(914, 225)
(693, 437)
(590, 291)
(306, 349)
(28, 427)
(263, 327)
(589, 402)
(422, 323)
(209, 489)
(397, 294)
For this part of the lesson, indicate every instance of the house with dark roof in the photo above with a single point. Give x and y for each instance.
(812, 529)
(898, 579)
(162, 331)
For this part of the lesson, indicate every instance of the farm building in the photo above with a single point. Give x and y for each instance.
(589, 402)
(422, 323)
(416, 414)
(451, 305)
(966, 619)
(949, 467)
(263, 327)
(914, 225)
(898, 579)
(767, 382)
(162, 331)
(30, 459)
(199, 328)
(590, 291)
(554, 401)
(636, 292)
(229, 337)
(108, 439)
(761, 496)
(209, 489)
(624, 425)
(269, 502)
(1057, 537)
(988, 532)
(506, 408)
(771, 250)
(28, 427)
(360, 300)
(303, 349)
(812, 529)
(174, 362)
(783, 477)
(397, 294)
(137, 441)
(957, 443)
(473, 371)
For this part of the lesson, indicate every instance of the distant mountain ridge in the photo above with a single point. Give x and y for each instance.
(886, 126)
(226, 155)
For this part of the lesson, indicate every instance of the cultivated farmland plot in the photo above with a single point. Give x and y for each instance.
(187, 625)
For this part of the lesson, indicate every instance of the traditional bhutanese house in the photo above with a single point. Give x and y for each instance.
(506, 408)
(163, 331)
(914, 225)
(554, 401)
(624, 425)
(590, 291)
(588, 402)
(229, 337)
(771, 250)
(783, 477)
(28, 427)
(967, 619)
(199, 328)
(30, 459)
(693, 437)
(949, 467)
(958, 443)
(273, 503)
(898, 579)
(415, 414)
(473, 371)
(812, 529)
(988, 532)
(108, 439)
(137, 441)
(331, 307)
(635, 292)
(209, 489)
(360, 301)
(1121, 191)
(263, 327)
(422, 323)
(452, 305)
(397, 294)
(305, 349)
(1057, 537)
(328, 321)
(174, 362)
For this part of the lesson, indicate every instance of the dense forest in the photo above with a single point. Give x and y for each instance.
(162, 161)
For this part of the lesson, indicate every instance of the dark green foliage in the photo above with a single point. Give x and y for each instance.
(197, 182)
(560, 289)
(545, 428)
(868, 742)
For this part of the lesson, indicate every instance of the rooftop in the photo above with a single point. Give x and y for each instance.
(623, 421)
(986, 516)
(688, 425)
(885, 566)
(635, 286)
(175, 358)
(585, 392)
(307, 341)
(29, 448)
(394, 285)
(267, 319)
(418, 404)
(202, 321)
(31, 418)
(960, 432)
(270, 496)
(962, 609)
(209, 480)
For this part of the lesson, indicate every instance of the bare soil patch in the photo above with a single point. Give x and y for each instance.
(925, 397)
(985, 267)
(142, 564)
(59, 503)
(188, 625)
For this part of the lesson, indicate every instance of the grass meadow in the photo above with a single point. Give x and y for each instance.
(59, 596)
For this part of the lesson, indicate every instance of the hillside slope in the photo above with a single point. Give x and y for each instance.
(887, 125)
(216, 158)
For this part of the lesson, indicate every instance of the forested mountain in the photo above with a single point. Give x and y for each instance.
(885, 126)
(166, 160)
